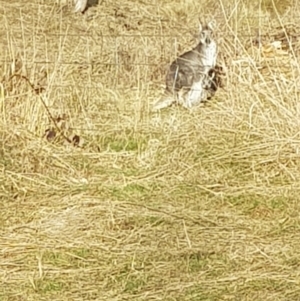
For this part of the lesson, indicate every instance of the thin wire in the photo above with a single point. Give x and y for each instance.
(98, 64)
(224, 34)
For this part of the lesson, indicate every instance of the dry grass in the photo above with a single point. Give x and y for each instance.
(177, 205)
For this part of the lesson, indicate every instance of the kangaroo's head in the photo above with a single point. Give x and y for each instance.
(206, 33)
(207, 47)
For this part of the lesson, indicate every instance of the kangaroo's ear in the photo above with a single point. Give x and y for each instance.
(200, 27)
(202, 37)
(212, 25)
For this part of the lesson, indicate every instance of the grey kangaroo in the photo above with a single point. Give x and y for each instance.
(190, 77)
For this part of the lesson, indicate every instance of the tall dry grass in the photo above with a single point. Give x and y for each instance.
(176, 205)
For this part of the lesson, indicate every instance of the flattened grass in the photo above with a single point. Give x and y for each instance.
(176, 205)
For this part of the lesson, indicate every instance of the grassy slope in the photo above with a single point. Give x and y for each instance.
(176, 205)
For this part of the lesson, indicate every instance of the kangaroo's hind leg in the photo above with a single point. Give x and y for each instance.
(194, 96)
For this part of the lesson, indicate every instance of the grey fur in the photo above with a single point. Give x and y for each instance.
(188, 80)
(80, 5)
